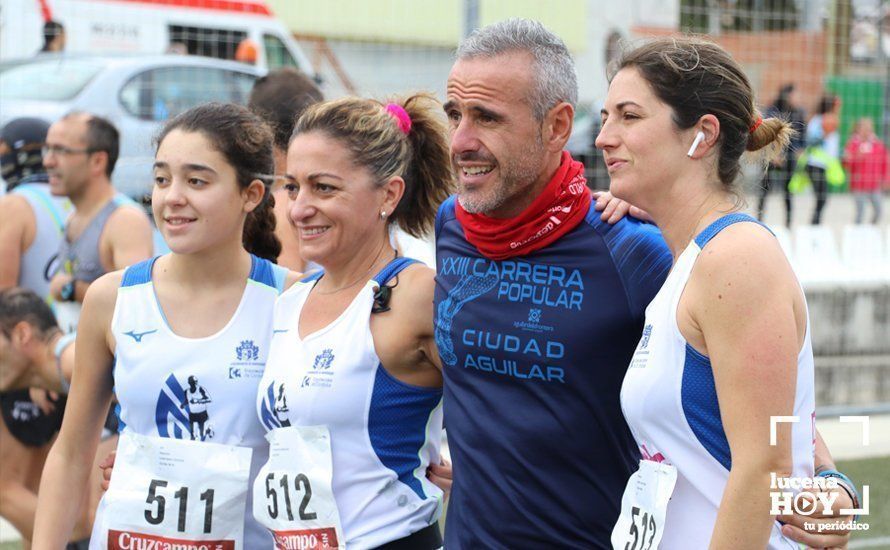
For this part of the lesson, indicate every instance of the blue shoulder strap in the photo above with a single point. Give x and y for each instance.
(392, 269)
(138, 274)
(722, 223)
(280, 274)
(261, 271)
(312, 276)
(44, 200)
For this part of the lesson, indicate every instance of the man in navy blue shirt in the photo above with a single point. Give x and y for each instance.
(539, 306)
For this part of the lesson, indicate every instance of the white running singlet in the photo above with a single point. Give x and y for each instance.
(670, 403)
(194, 388)
(39, 262)
(384, 433)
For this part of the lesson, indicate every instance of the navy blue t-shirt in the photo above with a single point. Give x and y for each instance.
(534, 350)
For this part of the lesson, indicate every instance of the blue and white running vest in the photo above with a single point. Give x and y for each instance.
(195, 388)
(384, 432)
(670, 402)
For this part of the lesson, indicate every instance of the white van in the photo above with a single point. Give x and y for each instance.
(212, 28)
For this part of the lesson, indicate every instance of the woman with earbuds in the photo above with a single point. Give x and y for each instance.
(726, 344)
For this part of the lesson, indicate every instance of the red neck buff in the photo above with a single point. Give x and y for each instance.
(560, 207)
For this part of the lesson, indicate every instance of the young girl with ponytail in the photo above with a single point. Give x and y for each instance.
(201, 314)
(352, 391)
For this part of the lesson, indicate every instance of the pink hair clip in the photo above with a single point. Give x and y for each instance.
(401, 115)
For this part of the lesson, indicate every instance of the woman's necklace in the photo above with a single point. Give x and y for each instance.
(357, 281)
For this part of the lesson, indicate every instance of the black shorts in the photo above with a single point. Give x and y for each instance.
(26, 422)
(200, 417)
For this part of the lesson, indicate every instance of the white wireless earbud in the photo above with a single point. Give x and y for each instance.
(698, 139)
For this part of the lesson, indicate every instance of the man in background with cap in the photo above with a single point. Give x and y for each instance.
(33, 219)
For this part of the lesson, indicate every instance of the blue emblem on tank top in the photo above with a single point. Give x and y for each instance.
(323, 360)
(321, 375)
(246, 364)
(247, 351)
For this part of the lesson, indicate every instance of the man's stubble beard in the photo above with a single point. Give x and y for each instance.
(517, 175)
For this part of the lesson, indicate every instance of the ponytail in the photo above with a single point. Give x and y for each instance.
(259, 230)
(428, 177)
(376, 136)
(773, 133)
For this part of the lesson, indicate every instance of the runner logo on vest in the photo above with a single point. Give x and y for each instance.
(269, 411)
(281, 408)
(182, 412)
(247, 363)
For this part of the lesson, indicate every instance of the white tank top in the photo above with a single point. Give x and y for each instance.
(40, 261)
(670, 403)
(195, 388)
(384, 432)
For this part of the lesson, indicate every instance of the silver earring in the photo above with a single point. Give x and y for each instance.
(383, 215)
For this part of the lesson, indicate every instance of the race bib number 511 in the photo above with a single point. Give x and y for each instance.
(171, 493)
(644, 507)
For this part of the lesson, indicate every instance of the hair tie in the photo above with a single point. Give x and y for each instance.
(756, 124)
(401, 115)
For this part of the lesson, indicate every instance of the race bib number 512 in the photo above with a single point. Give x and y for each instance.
(292, 495)
(644, 507)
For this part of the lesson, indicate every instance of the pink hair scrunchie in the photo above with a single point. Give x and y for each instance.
(401, 115)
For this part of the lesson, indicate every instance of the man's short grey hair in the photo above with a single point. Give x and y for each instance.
(555, 79)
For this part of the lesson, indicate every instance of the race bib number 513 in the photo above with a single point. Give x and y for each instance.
(170, 493)
(644, 507)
